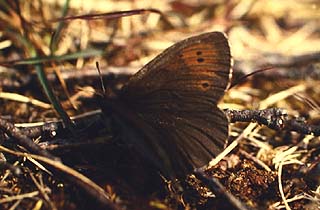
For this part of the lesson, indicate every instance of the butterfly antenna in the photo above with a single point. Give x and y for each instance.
(101, 79)
(243, 78)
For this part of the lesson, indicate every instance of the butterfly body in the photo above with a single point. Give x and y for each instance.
(172, 103)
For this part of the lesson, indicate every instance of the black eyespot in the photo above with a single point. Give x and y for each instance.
(205, 85)
(199, 53)
(200, 60)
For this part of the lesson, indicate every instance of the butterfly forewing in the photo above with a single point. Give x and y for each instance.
(200, 64)
(176, 95)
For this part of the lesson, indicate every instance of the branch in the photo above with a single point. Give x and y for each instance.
(273, 118)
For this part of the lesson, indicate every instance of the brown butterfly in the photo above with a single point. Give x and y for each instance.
(171, 104)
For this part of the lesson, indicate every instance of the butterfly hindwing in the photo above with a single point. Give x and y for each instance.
(197, 136)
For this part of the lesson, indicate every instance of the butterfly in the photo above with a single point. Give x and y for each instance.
(170, 105)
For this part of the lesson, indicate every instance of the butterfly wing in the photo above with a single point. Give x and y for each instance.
(176, 95)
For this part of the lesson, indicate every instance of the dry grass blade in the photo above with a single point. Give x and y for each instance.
(19, 197)
(43, 192)
(23, 99)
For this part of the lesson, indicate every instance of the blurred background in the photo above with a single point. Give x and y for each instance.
(56, 43)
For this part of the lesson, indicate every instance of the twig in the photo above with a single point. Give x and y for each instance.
(23, 139)
(301, 127)
(274, 118)
(215, 186)
(51, 128)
